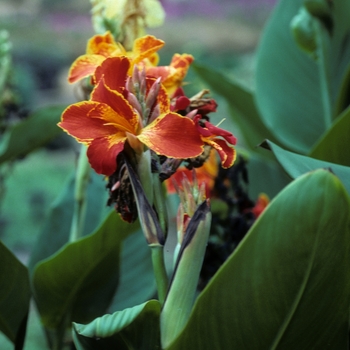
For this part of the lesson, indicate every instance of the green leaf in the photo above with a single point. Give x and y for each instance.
(57, 226)
(14, 297)
(31, 133)
(333, 145)
(343, 99)
(133, 328)
(287, 80)
(287, 285)
(295, 164)
(241, 104)
(80, 280)
(136, 284)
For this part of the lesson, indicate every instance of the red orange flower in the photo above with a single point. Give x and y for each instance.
(144, 54)
(209, 134)
(260, 204)
(108, 121)
(172, 75)
(100, 47)
(205, 174)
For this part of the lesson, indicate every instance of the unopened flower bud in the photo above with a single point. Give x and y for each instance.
(142, 80)
(148, 217)
(135, 80)
(129, 85)
(155, 114)
(135, 103)
(152, 94)
(304, 32)
(180, 298)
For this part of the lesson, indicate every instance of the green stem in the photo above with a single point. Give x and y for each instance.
(81, 182)
(160, 205)
(323, 66)
(145, 174)
(159, 271)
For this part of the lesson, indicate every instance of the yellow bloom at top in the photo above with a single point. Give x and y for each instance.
(100, 47)
(144, 54)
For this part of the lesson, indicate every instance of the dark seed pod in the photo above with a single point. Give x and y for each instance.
(121, 193)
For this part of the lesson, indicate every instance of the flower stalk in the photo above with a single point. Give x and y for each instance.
(159, 269)
(153, 232)
(180, 298)
(81, 182)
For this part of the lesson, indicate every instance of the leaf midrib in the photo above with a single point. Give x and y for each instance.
(282, 330)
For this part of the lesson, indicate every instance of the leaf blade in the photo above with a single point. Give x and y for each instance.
(267, 294)
(65, 283)
(132, 328)
(14, 297)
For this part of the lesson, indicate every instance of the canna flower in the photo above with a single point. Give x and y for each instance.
(209, 134)
(205, 174)
(109, 121)
(197, 108)
(172, 75)
(193, 228)
(260, 204)
(100, 47)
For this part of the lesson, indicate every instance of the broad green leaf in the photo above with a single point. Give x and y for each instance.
(288, 89)
(136, 283)
(133, 328)
(14, 297)
(57, 226)
(287, 285)
(241, 104)
(31, 133)
(295, 164)
(80, 280)
(334, 144)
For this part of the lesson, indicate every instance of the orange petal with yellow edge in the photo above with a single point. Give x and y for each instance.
(84, 66)
(162, 71)
(114, 71)
(102, 155)
(181, 61)
(145, 47)
(103, 44)
(226, 152)
(114, 108)
(173, 136)
(76, 121)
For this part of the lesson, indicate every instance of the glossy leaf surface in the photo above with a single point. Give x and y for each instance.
(287, 286)
(132, 328)
(55, 232)
(295, 164)
(288, 84)
(80, 279)
(14, 297)
(334, 144)
(136, 284)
